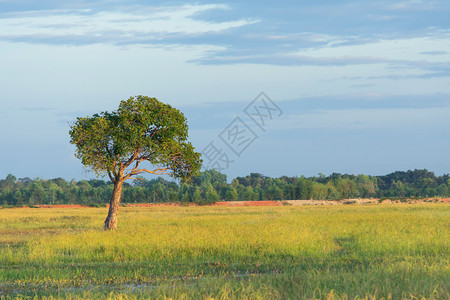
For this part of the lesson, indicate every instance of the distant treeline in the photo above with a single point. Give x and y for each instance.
(212, 186)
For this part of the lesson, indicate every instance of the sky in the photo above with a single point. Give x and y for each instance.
(274, 87)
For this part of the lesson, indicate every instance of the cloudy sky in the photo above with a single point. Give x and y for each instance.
(350, 86)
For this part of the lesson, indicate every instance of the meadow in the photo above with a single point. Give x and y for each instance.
(382, 251)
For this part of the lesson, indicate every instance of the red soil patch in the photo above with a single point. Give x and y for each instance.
(244, 203)
(250, 203)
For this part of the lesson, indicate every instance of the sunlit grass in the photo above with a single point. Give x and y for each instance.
(397, 251)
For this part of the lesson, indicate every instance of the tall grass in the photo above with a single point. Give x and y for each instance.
(384, 251)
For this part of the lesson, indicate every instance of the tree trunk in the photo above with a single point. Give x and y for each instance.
(114, 203)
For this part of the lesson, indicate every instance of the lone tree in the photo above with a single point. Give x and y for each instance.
(142, 130)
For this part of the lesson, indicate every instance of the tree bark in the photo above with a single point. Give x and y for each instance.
(114, 203)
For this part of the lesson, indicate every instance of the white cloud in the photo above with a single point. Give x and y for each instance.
(418, 48)
(135, 25)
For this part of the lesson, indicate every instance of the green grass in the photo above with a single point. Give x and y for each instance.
(331, 252)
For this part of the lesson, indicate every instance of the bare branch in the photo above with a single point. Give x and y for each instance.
(158, 171)
(111, 177)
(132, 158)
(138, 161)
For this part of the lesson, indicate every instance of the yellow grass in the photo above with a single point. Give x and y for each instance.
(346, 251)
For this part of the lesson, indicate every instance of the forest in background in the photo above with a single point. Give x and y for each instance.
(211, 186)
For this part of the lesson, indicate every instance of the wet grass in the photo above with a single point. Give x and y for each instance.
(375, 252)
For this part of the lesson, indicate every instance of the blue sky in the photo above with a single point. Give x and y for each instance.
(363, 85)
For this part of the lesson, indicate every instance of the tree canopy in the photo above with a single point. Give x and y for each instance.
(142, 129)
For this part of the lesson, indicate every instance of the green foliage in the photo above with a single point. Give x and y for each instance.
(231, 194)
(210, 186)
(197, 196)
(210, 176)
(143, 129)
(211, 195)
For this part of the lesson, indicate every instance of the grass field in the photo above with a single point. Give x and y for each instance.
(330, 252)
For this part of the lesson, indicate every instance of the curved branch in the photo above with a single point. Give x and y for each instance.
(132, 158)
(158, 171)
(111, 177)
(175, 157)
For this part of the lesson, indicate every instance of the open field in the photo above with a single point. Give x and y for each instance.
(325, 252)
